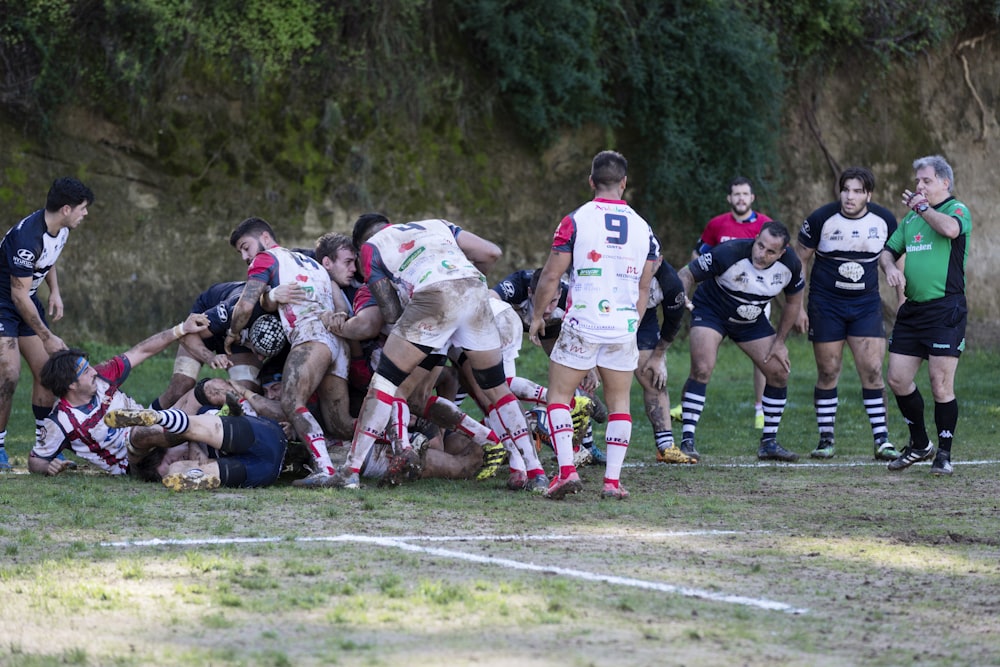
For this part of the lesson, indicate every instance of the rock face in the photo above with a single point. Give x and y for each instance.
(169, 195)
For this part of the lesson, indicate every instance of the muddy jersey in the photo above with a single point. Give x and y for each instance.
(29, 250)
(281, 265)
(81, 428)
(847, 250)
(935, 264)
(726, 227)
(415, 255)
(733, 288)
(610, 244)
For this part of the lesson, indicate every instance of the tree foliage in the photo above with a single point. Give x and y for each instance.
(691, 89)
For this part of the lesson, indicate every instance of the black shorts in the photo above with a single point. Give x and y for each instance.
(931, 328)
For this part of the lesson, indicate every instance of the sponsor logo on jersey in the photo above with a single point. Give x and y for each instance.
(705, 261)
(632, 325)
(507, 288)
(589, 272)
(805, 229)
(448, 266)
(594, 256)
(223, 313)
(851, 270)
(406, 247)
(604, 306)
(409, 260)
(25, 258)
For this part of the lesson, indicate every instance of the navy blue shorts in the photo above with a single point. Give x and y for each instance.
(834, 319)
(740, 332)
(930, 329)
(11, 323)
(262, 461)
(647, 336)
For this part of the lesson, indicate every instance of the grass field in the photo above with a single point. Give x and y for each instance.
(729, 562)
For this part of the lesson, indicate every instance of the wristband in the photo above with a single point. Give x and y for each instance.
(179, 331)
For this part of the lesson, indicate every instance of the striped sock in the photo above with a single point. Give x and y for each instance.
(174, 421)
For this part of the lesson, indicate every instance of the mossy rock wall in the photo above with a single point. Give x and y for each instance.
(171, 188)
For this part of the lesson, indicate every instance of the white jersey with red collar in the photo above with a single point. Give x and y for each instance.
(82, 429)
(610, 244)
(414, 255)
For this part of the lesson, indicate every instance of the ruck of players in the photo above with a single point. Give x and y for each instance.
(388, 354)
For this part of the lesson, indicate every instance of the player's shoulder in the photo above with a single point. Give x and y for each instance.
(881, 212)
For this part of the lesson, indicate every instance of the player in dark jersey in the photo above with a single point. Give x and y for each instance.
(653, 338)
(736, 280)
(740, 222)
(842, 241)
(934, 238)
(30, 250)
(207, 348)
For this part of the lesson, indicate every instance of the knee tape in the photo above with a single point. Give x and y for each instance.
(490, 377)
(244, 373)
(187, 366)
(390, 371)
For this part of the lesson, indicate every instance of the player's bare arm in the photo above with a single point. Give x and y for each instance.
(56, 310)
(387, 300)
(158, 342)
(242, 311)
(789, 314)
(482, 253)
(20, 293)
(548, 285)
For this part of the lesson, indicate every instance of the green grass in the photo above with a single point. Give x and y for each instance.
(891, 568)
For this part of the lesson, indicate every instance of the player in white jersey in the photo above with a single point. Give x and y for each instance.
(318, 360)
(436, 269)
(85, 394)
(610, 251)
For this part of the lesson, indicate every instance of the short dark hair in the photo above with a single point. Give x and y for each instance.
(61, 370)
(67, 192)
(363, 225)
(608, 168)
(866, 177)
(775, 228)
(145, 468)
(251, 227)
(739, 180)
(330, 244)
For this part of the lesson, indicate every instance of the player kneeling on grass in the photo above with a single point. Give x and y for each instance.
(84, 395)
(234, 450)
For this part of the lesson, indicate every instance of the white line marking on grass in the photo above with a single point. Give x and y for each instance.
(804, 464)
(399, 543)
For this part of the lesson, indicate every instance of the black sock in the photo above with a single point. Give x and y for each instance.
(912, 407)
(946, 419)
